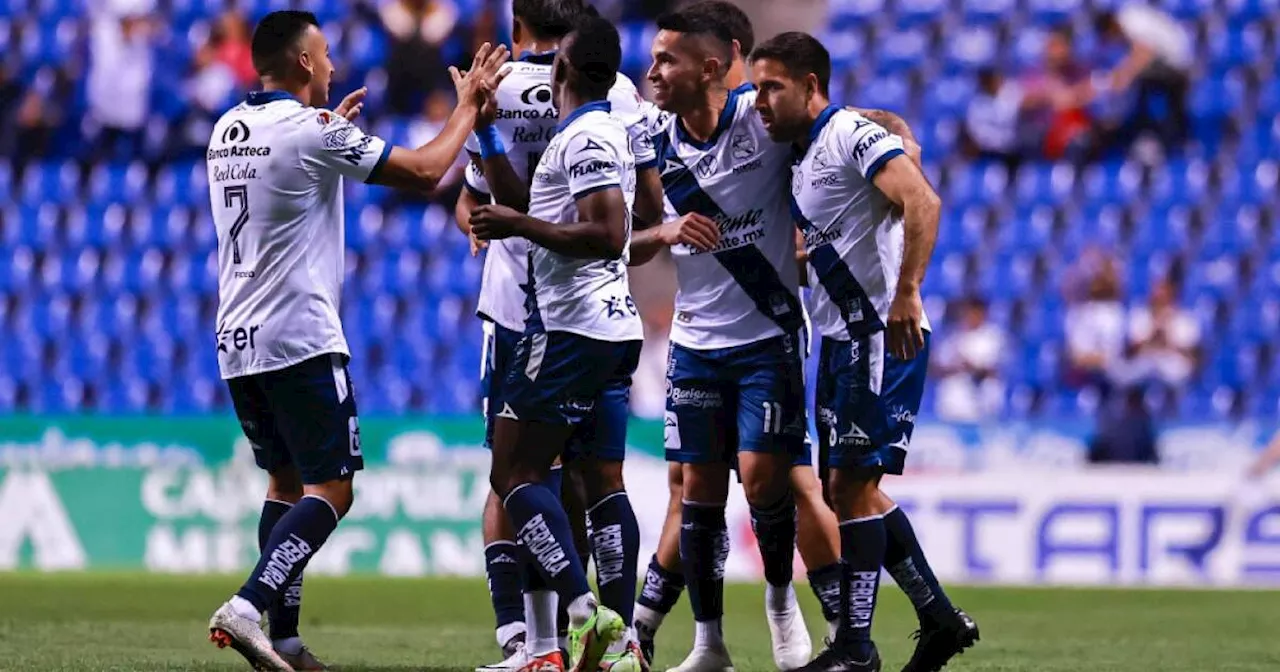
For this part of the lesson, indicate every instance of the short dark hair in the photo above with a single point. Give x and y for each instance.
(1104, 22)
(693, 20)
(734, 19)
(276, 37)
(594, 49)
(549, 19)
(800, 53)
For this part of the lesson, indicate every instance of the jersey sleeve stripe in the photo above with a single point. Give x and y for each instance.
(599, 187)
(879, 163)
(382, 160)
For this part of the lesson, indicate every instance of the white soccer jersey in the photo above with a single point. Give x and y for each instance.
(852, 233)
(588, 297)
(526, 122)
(745, 290)
(275, 171)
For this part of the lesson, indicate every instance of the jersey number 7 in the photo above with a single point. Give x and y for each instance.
(237, 193)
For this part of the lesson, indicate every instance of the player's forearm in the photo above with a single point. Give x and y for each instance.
(462, 211)
(436, 157)
(580, 240)
(645, 245)
(891, 122)
(922, 210)
(504, 184)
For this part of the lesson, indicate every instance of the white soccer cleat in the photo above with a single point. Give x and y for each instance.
(518, 659)
(792, 647)
(245, 636)
(706, 659)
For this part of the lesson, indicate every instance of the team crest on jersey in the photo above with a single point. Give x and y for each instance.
(820, 159)
(744, 147)
(797, 182)
(706, 166)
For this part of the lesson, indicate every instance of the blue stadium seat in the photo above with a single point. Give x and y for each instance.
(855, 12)
(889, 93)
(1235, 47)
(901, 50)
(947, 98)
(911, 13)
(1050, 12)
(970, 48)
(1189, 10)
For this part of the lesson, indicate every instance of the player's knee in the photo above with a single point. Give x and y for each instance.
(675, 480)
(604, 479)
(705, 483)
(339, 494)
(855, 493)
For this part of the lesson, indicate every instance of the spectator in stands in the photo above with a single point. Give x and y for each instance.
(1156, 67)
(992, 127)
(415, 66)
(229, 45)
(30, 113)
(1163, 341)
(1051, 95)
(119, 82)
(1095, 323)
(1126, 432)
(968, 361)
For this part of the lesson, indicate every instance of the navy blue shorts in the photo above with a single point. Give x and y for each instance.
(563, 378)
(303, 415)
(745, 398)
(867, 401)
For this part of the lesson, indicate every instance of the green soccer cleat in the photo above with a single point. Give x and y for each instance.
(629, 660)
(589, 643)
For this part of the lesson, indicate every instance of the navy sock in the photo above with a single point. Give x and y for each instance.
(285, 610)
(502, 567)
(293, 540)
(531, 579)
(543, 529)
(775, 528)
(615, 543)
(825, 582)
(906, 563)
(662, 588)
(862, 545)
(704, 546)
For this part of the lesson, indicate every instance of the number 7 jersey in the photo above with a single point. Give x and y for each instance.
(275, 169)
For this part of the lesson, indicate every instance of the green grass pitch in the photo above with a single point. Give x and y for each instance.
(98, 622)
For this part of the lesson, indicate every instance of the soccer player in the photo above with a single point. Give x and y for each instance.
(525, 121)
(276, 164)
(736, 393)
(817, 537)
(582, 337)
(869, 219)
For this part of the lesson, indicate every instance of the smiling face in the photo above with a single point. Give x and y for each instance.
(681, 72)
(782, 100)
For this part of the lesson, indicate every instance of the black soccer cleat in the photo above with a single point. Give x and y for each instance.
(938, 642)
(843, 658)
(647, 649)
(515, 643)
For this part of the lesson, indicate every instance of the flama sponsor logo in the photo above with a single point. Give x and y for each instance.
(865, 144)
(590, 166)
(356, 152)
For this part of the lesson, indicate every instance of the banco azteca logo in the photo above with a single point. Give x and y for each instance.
(538, 94)
(236, 133)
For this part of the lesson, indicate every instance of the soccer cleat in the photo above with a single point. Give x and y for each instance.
(589, 643)
(518, 658)
(630, 660)
(547, 662)
(645, 635)
(303, 661)
(938, 643)
(706, 659)
(245, 636)
(791, 644)
(514, 644)
(840, 658)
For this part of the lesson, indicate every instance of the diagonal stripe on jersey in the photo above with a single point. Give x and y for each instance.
(837, 279)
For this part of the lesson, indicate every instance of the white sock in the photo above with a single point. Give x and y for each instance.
(708, 635)
(833, 627)
(245, 609)
(580, 609)
(648, 621)
(779, 598)
(540, 617)
(563, 643)
(289, 645)
(509, 631)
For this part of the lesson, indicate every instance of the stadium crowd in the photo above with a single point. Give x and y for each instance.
(1109, 180)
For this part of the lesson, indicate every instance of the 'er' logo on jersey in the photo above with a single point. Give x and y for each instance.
(852, 233)
(744, 290)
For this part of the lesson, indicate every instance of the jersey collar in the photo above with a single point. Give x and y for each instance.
(726, 120)
(264, 97)
(601, 105)
(543, 58)
(745, 87)
(821, 122)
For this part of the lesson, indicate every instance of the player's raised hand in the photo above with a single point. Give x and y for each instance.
(495, 222)
(475, 85)
(913, 151)
(905, 332)
(699, 231)
(351, 106)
